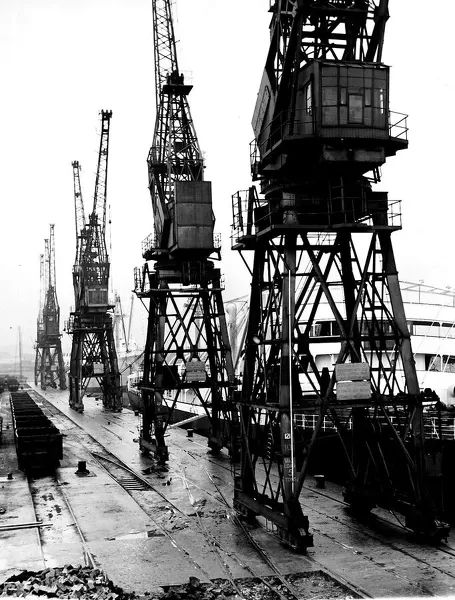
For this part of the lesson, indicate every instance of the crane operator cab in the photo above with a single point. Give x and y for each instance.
(329, 135)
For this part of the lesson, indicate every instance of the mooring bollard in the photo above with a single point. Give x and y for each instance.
(189, 433)
(82, 468)
(320, 481)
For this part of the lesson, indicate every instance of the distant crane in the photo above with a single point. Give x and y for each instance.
(187, 347)
(39, 321)
(324, 272)
(93, 353)
(49, 365)
(120, 335)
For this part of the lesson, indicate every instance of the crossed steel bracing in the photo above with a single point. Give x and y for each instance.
(301, 281)
(93, 352)
(323, 275)
(187, 360)
(93, 357)
(187, 357)
(49, 365)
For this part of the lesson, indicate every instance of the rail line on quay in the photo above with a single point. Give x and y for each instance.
(344, 525)
(135, 485)
(50, 501)
(113, 463)
(410, 549)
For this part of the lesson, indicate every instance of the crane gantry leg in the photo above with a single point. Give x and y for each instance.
(93, 358)
(187, 359)
(311, 289)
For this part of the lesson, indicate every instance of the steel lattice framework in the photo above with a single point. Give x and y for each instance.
(93, 353)
(175, 155)
(187, 354)
(49, 366)
(324, 273)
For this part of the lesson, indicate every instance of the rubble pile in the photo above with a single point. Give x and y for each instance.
(315, 585)
(86, 583)
(64, 582)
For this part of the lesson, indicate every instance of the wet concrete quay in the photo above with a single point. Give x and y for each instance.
(181, 525)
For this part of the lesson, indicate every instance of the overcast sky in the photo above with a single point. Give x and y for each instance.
(62, 61)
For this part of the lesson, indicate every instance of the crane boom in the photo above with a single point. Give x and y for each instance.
(42, 295)
(99, 199)
(164, 47)
(91, 267)
(79, 212)
(46, 269)
(52, 270)
(51, 310)
(175, 155)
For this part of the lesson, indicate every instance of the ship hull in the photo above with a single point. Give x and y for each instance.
(188, 416)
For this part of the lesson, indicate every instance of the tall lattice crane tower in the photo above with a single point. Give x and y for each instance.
(324, 271)
(49, 366)
(187, 353)
(93, 353)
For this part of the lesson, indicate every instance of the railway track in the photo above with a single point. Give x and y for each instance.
(277, 584)
(236, 570)
(370, 540)
(59, 524)
(381, 543)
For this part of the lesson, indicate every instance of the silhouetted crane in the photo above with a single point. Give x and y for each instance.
(324, 272)
(93, 353)
(187, 348)
(49, 366)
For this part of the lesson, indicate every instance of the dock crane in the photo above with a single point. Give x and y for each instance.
(39, 321)
(187, 353)
(324, 271)
(49, 366)
(93, 353)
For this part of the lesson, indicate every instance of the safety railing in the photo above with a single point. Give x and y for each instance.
(252, 218)
(149, 243)
(217, 241)
(300, 123)
(287, 123)
(433, 429)
(138, 279)
(398, 125)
